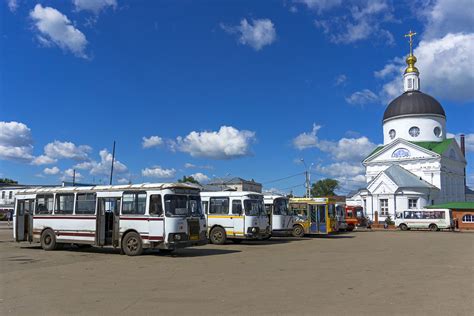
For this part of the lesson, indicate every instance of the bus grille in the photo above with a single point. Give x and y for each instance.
(193, 229)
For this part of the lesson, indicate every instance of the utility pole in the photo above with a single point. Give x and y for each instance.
(112, 167)
(307, 178)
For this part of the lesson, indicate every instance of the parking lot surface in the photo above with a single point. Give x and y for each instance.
(356, 273)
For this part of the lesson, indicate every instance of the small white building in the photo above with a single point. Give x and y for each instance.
(417, 165)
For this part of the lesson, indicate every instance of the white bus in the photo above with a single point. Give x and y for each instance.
(235, 216)
(279, 214)
(165, 216)
(432, 219)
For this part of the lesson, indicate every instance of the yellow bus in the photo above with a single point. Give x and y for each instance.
(314, 216)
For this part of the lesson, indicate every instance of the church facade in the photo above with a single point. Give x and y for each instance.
(417, 165)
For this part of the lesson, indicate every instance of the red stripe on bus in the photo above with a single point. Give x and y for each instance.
(141, 219)
(64, 217)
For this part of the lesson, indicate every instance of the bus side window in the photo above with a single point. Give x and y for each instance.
(64, 204)
(236, 207)
(156, 207)
(85, 203)
(134, 203)
(44, 204)
(219, 205)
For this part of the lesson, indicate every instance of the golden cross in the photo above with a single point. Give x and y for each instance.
(410, 35)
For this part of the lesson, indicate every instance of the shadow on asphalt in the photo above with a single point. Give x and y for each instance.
(332, 236)
(269, 242)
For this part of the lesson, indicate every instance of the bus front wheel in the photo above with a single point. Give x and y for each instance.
(48, 240)
(218, 236)
(433, 227)
(132, 244)
(298, 231)
(403, 227)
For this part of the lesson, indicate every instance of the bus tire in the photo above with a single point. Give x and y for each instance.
(218, 236)
(48, 240)
(298, 231)
(132, 244)
(433, 227)
(350, 227)
(403, 227)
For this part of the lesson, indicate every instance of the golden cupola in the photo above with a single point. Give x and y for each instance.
(411, 79)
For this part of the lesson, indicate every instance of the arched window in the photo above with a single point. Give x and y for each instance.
(414, 131)
(468, 218)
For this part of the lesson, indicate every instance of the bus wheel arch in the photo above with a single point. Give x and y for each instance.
(433, 227)
(217, 235)
(48, 239)
(132, 244)
(403, 227)
(298, 230)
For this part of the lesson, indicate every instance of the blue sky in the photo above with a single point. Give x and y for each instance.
(216, 88)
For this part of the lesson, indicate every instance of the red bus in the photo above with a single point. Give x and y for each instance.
(355, 217)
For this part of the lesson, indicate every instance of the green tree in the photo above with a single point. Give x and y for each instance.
(324, 187)
(7, 181)
(189, 179)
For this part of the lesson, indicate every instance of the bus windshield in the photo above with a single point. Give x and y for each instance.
(182, 205)
(280, 207)
(254, 207)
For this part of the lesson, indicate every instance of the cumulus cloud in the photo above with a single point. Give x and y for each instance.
(12, 5)
(123, 181)
(339, 169)
(307, 140)
(200, 177)
(43, 160)
(227, 143)
(94, 6)
(189, 165)
(158, 172)
(68, 175)
(16, 142)
(51, 171)
(256, 34)
(54, 28)
(468, 140)
(362, 97)
(67, 150)
(103, 167)
(152, 141)
(319, 5)
(340, 80)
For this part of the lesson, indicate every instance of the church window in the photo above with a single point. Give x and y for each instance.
(401, 153)
(392, 133)
(414, 131)
(468, 218)
(410, 83)
(437, 131)
(383, 207)
(412, 203)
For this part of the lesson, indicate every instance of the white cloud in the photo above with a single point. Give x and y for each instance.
(193, 166)
(16, 142)
(345, 149)
(55, 28)
(200, 177)
(158, 172)
(468, 140)
(67, 150)
(86, 165)
(12, 5)
(68, 175)
(152, 141)
(123, 181)
(444, 65)
(257, 34)
(103, 167)
(227, 143)
(363, 97)
(94, 6)
(43, 160)
(51, 171)
(319, 5)
(340, 80)
(339, 169)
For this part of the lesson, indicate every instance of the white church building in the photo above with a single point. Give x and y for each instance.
(417, 164)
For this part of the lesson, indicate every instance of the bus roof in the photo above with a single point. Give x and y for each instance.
(121, 187)
(229, 193)
(313, 200)
(271, 197)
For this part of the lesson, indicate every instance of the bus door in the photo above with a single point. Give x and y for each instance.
(108, 221)
(237, 219)
(24, 220)
(322, 227)
(313, 218)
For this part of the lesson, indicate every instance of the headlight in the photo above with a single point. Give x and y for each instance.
(254, 229)
(177, 237)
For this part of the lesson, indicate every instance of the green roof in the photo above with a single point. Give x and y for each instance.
(436, 147)
(455, 205)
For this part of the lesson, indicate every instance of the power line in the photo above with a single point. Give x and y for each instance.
(285, 178)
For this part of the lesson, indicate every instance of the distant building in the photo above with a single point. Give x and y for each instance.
(7, 195)
(417, 165)
(233, 184)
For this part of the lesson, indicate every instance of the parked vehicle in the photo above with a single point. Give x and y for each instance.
(355, 217)
(341, 217)
(314, 216)
(165, 216)
(235, 215)
(276, 207)
(432, 219)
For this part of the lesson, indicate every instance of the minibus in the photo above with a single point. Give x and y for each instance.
(432, 219)
(314, 216)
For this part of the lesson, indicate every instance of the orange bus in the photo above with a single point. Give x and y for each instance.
(355, 217)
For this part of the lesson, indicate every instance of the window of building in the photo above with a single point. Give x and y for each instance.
(392, 134)
(156, 206)
(468, 218)
(437, 131)
(414, 131)
(219, 205)
(412, 203)
(134, 203)
(383, 207)
(3, 194)
(44, 204)
(10, 195)
(85, 203)
(236, 207)
(410, 83)
(64, 204)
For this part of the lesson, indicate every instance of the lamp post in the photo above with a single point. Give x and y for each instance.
(307, 177)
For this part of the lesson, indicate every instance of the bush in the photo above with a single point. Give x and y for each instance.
(389, 221)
